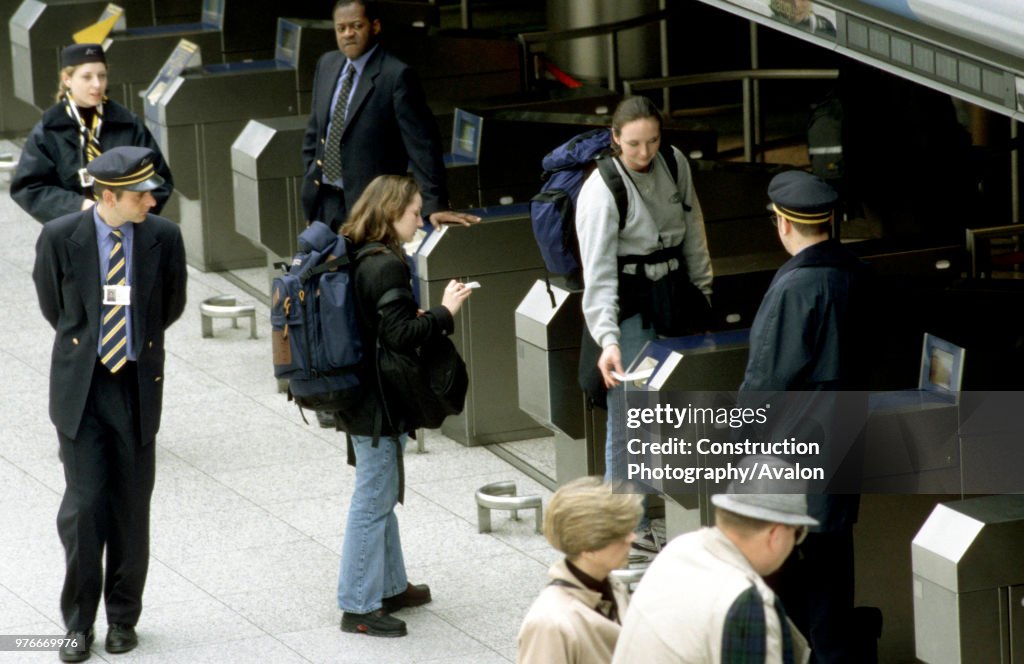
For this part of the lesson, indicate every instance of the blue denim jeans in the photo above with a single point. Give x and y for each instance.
(632, 337)
(372, 566)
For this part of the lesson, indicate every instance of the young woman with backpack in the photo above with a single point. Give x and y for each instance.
(372, 582)
(649, 278)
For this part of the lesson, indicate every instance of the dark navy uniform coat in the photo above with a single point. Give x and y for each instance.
(807, 336)
(67, 280)
(804, 336)
(46, 182)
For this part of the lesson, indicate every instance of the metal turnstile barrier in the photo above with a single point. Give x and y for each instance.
(706, 363)
(135, 55)
(968, 562)
(266, 159)
(197, 114)
(16, 115)
(501, 254)
(549, 326)
(40, 29)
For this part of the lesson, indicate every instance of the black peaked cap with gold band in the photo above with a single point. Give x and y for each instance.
(127, 167)
(802, 198)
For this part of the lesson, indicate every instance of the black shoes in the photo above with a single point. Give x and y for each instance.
(375, 623)
(76, 646)
(417, 595)
(121, 638)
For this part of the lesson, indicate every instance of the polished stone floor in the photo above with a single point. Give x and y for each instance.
(249, 508)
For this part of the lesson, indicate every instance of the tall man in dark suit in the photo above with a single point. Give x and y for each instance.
(369, 118)
(110, 280)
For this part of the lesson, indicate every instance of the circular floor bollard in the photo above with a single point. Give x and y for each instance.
(225, 306)
(502, 496)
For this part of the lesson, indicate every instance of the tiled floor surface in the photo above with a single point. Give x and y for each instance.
(249, 509)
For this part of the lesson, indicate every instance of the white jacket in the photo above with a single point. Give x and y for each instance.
(677, 614)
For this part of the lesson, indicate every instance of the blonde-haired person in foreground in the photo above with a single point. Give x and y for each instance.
(577, 617)
(703, 600)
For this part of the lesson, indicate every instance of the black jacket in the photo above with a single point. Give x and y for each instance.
(388, 130)
(46, 182)
(399, 327)
(67, 281)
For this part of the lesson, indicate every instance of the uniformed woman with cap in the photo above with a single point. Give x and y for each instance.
(51, 179)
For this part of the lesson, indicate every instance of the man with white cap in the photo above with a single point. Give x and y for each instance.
(703, 600)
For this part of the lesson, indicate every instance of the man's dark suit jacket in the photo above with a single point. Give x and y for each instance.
(67, 280)
(387, 126)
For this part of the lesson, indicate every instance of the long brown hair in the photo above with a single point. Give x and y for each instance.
(374, 215)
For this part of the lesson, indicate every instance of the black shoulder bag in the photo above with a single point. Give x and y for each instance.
(425, 385)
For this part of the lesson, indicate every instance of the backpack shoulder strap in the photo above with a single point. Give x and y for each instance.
(673, 169)
(334, 263)
(613, 180)
(393, 295)
(369, 249)
(669, 155)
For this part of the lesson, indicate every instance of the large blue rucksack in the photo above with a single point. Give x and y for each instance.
(553, 210)
(315, 337)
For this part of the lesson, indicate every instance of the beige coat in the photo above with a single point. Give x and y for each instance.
(563, 627)
(678, 611)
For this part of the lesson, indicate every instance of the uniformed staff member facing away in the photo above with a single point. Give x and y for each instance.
(807, 337)
(51, 179)
(110, 280)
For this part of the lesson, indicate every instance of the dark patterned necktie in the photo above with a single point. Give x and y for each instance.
(332, 151)
(114, 348)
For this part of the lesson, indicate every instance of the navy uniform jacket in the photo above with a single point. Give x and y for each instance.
(804, 336)
(67, 280)
(388, 127)
(807, 336)
(46, 183)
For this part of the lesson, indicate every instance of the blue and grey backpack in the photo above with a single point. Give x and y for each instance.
(315, 337)
(553, 210)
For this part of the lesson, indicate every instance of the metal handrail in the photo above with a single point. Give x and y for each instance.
(744, 76)
(528, 39)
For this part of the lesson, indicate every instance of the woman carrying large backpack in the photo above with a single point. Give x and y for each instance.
(650, 278)
(372, 582)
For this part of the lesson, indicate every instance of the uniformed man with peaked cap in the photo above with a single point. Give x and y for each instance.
(110, 280)
(808, 336)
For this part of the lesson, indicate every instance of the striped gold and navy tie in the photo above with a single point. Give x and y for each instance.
(114, 348)
(92, 142)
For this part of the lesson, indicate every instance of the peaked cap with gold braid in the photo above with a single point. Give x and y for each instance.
(802, 198)
(126, 167)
